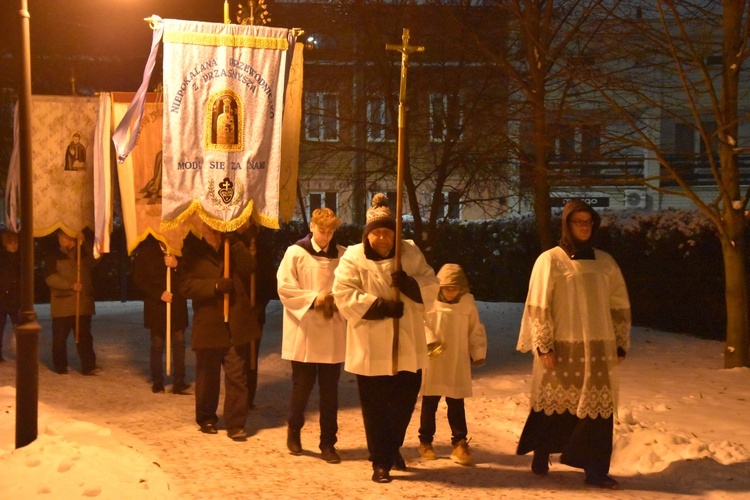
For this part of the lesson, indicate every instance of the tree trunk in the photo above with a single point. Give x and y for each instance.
(736, 353)
(542, 203)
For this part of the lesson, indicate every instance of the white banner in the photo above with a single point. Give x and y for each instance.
(223, 106)
(63, 132)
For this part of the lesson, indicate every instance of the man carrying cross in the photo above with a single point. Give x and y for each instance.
(365, 292)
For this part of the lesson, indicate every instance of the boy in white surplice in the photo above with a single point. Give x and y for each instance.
(314, 332)
(454, 320)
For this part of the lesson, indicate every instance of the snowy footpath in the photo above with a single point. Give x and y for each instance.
(683, 429)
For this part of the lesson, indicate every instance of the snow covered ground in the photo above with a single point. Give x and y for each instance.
(683, 429)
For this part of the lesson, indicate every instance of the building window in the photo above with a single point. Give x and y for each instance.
(590, 141)
(321, 116)
(577, 141)
(684, 139)
(715, 60)
(379, 121)
(451, 205)
(565, 143)
(328, 199)
(445, 117)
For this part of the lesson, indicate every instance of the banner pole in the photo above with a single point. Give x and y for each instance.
(169, 320)
(405, 50)
(226, 275)
(78, 292)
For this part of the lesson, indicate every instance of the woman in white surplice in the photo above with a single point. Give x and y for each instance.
(314, 336)
(577, 324)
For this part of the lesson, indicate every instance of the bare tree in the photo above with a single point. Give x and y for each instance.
(694, 53)
(457, 109)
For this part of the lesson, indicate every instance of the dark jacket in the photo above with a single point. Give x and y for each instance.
(61, 271)
(201, 267)
(10, 277)
(150, 276)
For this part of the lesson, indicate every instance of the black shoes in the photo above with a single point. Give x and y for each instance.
(398, 463)
(381, 475)
(92, 371)
(602, 481)
(181, 389)
(540, 464)
(157, 388)
(293, 442)
(330, 455)
(209, 429)
(237, 434)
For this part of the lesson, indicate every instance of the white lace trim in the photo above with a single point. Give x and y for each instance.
(592, 403)
(583, 382)
(621, 325)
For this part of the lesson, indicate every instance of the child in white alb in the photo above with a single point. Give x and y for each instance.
(454, 321)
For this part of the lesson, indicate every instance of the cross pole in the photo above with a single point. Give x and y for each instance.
(405, 50)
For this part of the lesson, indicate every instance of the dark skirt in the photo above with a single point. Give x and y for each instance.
(585, 443)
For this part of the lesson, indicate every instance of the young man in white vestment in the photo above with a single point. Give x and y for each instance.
(314, 333)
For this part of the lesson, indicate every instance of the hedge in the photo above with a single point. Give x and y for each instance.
(671, 261)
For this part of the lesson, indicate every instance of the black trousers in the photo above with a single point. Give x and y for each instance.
(251, 369)
(585, 443)
(456, 419)
(208, 365)
(304, 376)
(4, 314)
(61, 328)
(387, 405)
(158, 345)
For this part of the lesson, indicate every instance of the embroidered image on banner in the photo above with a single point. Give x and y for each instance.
(225, 122)
(224, 88)
(140, 178)
(63, 130)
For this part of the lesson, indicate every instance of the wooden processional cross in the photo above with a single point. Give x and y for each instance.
(405, 50)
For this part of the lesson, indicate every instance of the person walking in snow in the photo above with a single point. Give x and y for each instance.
(10, 277)
(65, 281)
(314, 333)
(577, 324)
(218, 343)
(149, 275)
(364, 292)
(455, 322)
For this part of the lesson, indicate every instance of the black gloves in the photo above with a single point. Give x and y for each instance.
(383, 308)
(224, 285)
(407, 285)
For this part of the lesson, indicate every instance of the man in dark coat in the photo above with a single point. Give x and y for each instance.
(62, 277)
(10, 269)
(218, 341)
(150, 276)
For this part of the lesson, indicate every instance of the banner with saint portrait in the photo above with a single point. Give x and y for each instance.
(224, 88)
(140, 177)
(63, 151)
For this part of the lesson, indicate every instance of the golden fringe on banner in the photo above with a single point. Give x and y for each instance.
(222, 226)
(212, 40)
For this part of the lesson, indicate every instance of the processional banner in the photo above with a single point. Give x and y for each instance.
(223, 107)
(64, 156)
(290, 137)
(140, 177)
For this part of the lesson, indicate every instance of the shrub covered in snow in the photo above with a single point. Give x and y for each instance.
(671, 261)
